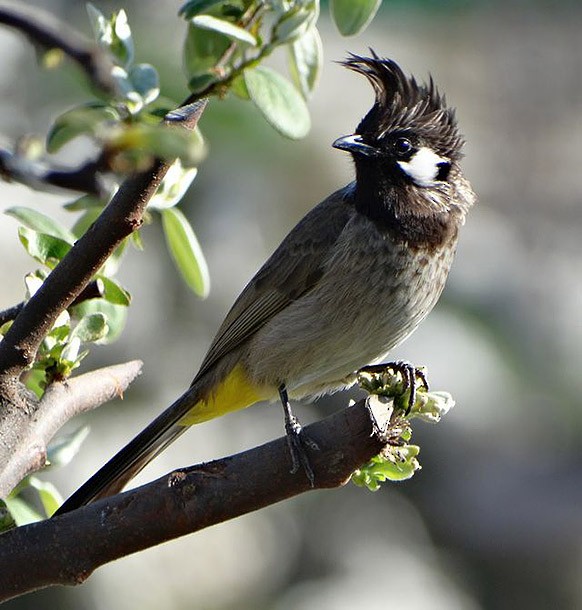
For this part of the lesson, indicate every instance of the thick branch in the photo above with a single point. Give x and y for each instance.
(119, 219)
(44, 30)
(186, 501)
(61, 402)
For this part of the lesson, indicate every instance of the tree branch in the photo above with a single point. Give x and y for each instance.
(120, 218)
(61, 402)
(44, 30)
(186, 501)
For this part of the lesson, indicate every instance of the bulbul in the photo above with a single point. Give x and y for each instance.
(351, 281)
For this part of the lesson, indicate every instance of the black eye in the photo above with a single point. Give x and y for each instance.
(402, 146)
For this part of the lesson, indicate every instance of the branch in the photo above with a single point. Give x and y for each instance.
(40, 176)
(61, 402)
(44, 30)
(120, 218)
(186, 501)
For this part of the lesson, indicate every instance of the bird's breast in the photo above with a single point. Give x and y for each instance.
(373, 294)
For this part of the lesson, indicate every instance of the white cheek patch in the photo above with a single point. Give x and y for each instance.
(423, 167)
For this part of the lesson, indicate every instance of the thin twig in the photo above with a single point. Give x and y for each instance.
(44, 30)
(93, 290)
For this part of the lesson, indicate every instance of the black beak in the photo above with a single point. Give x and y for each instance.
(355, 145)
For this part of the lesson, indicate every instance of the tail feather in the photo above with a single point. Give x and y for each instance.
(125, 465)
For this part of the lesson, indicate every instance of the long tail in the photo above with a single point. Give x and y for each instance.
(125, 465)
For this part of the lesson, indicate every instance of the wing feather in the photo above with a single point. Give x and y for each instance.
(291, 271)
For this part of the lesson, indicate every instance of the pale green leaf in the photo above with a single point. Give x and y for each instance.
(295, 22)
(146, 82)
(305, 60)
(78, 121)
(173, 187)
(185, 251)
(90, 328)
(37, 221)
(44, 248)
(226, 28)
(279, 101)
(114, 292)
(353, 16)
(116, 316)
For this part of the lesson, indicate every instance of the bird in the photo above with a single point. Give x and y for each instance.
(351, 281)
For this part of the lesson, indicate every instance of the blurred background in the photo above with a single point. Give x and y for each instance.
(494, 519)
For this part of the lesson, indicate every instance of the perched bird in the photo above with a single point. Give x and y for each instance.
(350, 282)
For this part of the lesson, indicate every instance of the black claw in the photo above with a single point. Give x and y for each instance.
(297, 440)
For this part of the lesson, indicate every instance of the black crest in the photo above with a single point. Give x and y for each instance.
(404, 104)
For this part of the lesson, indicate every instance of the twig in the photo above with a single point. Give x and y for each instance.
(44, 30)
(183, 502)
(61, 402)
(91, 291)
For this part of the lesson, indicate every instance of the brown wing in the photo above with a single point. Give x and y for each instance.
(292, 270)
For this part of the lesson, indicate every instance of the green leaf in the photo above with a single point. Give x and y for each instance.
(228, 29)
(146, 82)
(44, 248)
(41, 223)
(116, 316)
(81, 120)
(239, 88)
(114, 292)
(121, 44)
(295, 22)
(91, 328)
(162, 141)
(99, 23)
(49, 496)
(195, 7)
(113, 34)
(305, 60)
(202, 49)
(186, 251)
(21, 511)
(173, 187)
(278, 100)
(353, 16)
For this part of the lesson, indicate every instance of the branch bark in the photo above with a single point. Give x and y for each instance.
(186, 501)
(61, 402)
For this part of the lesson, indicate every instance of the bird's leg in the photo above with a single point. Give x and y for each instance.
(409, 376)
(296, 440)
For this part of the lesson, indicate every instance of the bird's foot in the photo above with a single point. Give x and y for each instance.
(297, 441)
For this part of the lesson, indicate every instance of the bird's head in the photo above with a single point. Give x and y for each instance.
(409, 141)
